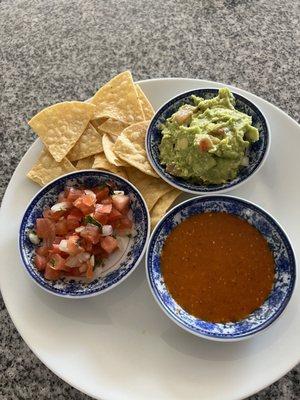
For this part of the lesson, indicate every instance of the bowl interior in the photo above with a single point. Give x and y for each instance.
(285, 268)
(122, 262)
(255, 153)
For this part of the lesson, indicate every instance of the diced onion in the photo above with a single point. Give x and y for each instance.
(63, 246)
(107, 230)
(92, 260)
(63, 206)
(118, 192)
(79, 229)
(80, 258)
(33, 238)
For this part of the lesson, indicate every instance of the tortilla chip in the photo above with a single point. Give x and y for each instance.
(108, 147)
(162, 205)
(145, 103)
(89, 143)
(101, 162)
(130, 147)
(118, 100)
(97, 123)
(151, 188)
(46, 168)
(61, 125)
(113, 127)
(85, 163)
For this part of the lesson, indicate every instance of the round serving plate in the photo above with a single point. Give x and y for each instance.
(120, 345)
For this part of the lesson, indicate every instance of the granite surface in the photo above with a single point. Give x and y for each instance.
(62, 50)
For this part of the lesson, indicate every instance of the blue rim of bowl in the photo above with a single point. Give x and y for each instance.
(40, 194)
(176, 319)
(186, 185)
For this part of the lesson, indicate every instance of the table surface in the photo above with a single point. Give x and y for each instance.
(58, 50)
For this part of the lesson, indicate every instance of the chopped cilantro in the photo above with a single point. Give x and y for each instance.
(88, 219)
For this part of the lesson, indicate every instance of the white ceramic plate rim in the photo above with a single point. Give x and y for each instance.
(254, 388)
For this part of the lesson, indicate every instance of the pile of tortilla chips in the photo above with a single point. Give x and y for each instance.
(107, 132)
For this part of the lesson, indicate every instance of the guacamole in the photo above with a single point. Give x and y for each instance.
(207, 142)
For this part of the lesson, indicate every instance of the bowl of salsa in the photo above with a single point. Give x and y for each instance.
(221, 267)
(84, 233)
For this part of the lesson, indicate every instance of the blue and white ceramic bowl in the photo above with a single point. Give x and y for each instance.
(129, 259)
(285, 269)
(257, 152)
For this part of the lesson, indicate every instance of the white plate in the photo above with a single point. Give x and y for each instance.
(120, 346)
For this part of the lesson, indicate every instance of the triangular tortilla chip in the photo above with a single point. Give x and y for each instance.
(85, 163)
(101, 162)
(61, 125)
(151, 188)
(89, 143)
(113, 127)
(145, 103)
(162, 205)
(108, 148)
(46, 168)
(97, 123)
(118, 99)
(130, 147)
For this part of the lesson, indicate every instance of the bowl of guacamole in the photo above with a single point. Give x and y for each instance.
(207, 140)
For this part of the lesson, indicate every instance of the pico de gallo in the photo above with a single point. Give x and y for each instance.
(77, 233)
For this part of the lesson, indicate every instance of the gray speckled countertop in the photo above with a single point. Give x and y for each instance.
(60, 50)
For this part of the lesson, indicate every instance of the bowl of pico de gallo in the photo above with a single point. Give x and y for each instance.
(84, 233)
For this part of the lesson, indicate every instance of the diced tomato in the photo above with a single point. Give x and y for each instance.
(101, 193)
(73, 272)
(56, 261)
(86, 203)
(72, 222)
(114, 215)
(72, 194)
(97, 250)
(75, 212)
(61, 227)
(108, 200)
(55, 249)
(40, 262)
(73, 246)
(102, 218)
(89, 271)
(42, 251)
(103, 208)
(53, 215)
(109, 244)
(123, 226)
(86, 245)
(45, 229)
(91, 233)
(121, 202)
(51, 273)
